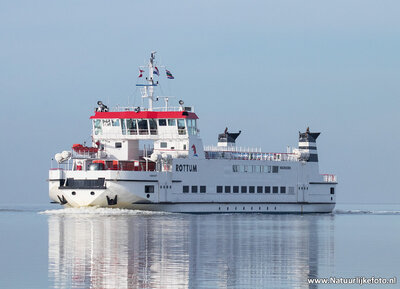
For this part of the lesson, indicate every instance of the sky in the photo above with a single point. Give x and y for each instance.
(268, 68)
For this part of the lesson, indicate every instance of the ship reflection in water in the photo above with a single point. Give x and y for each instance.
(189, 251)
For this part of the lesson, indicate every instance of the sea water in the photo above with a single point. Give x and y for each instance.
(44, 247)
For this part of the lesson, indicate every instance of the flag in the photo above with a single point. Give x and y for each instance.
(169, 74)
(155, 71)
(140, 73)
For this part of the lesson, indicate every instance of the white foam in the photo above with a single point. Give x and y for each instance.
(365, 212)
(99, 211)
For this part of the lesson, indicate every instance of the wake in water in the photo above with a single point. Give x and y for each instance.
(100, 211)
(365, 212)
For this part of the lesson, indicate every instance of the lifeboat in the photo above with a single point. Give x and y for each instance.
(80, 149)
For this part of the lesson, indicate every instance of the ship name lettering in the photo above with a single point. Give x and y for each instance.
(285, 168)
(186, 168)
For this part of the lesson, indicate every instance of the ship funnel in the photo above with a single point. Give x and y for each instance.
(308, 146)
(227, 139)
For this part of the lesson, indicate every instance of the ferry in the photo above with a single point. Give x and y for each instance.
(153, 158)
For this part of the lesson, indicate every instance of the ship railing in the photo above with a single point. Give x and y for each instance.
(160, 108)
(249, 155)
(329, 178)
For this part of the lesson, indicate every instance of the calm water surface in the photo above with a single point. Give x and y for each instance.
(105, 248)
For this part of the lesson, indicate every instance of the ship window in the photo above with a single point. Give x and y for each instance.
(202, 189)
(283, 190)
(191, 124)
(181, 127)
(184, 147)
(131, 126)
(115, 122)
(332, 191)
(106, 122)
(185, 189)
(259, 189)
(227, 189)
(171, 122)
(275, 169)
(123, 126)
(244, 169)
(251, 189)
(118, 145)
(162, 122)
(257, 169)
(97, 126)
(219, 189)
(153, 126)
(194, 189)
(267, 189)
(275, 190)
(243, 189)
(163, 145)
(235, 168)
(291, 190)
(149, 189)
(236, 189)
(143, 126)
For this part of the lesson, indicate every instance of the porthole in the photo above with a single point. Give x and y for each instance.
(227, 208)
(73, 193)
(252, 208)
(148, 195)
(243, 208)
(92, 193)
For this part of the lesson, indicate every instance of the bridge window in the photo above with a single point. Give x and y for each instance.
(267, 189)
(191, 124)
(291, 190)
(219, 189)
(123, 126)
(153, 126)
(194, 189)
(244, 189)
(251, 189)
(202, 189)
(259, 189)
(227, 189)
(235, 168)
(236, 189)
(181, 127)
(283, 190)
(106, 122)
(115, 122)
(185, 189)
(162, 122)
(171, 122)
(275, 169)
(275, 190)
(131, 126)
(97, 127)
(143, 126)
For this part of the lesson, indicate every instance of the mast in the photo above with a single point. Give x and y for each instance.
(148, 89)
(150, 80)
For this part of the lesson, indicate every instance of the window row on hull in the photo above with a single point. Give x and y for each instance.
(241, 189)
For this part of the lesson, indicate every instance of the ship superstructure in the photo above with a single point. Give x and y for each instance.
(153, 158)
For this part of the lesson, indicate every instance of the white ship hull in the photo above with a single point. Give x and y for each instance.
(128, 189)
